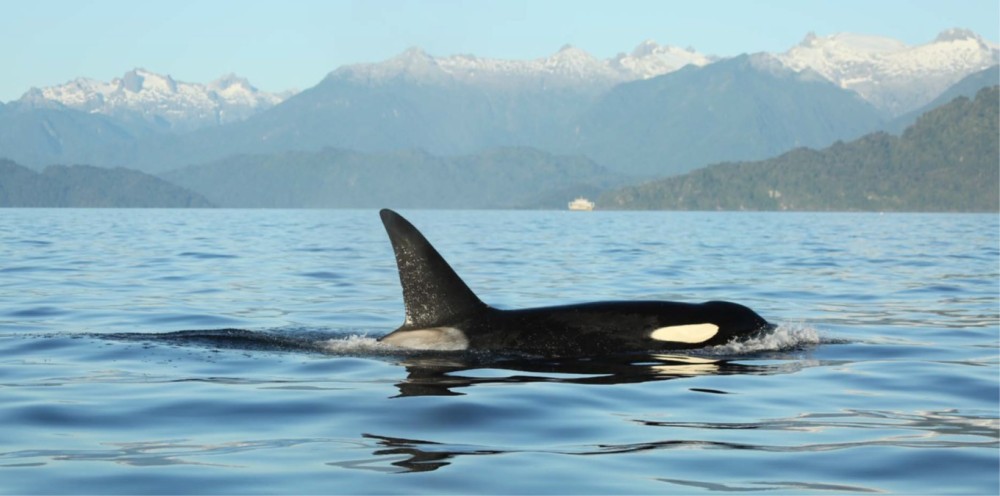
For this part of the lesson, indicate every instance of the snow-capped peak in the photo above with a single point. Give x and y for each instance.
(159, 98)
(890, 74)
(574, 62)
(956, 34)
(851, 42)
(650, 59)
(412, 64)
(645, 49)
(230, 80)
(570, 65)
(568, 51)
(138, 80)
(411, 57)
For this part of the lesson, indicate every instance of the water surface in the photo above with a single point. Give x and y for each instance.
(232, 351)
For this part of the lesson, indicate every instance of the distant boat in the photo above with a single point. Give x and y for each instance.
(581, 203)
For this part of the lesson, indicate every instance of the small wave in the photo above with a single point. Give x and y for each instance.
(280, 339)
(787, 336)
(353, 344)
(228, 338)
(205, 255)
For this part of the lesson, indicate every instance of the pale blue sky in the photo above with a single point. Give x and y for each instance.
(286, 44)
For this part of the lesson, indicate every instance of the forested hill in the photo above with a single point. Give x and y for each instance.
(87, 186)
(948, 161)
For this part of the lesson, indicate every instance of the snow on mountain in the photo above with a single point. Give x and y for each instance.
(570, 66)
(890, 74)
(160, 99)
(650, 60)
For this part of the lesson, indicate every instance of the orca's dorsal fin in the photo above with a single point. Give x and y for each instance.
(433, 294)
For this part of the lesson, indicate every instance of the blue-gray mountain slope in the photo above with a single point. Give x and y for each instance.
(744, 108)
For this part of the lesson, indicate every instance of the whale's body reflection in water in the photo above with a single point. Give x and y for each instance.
(430, 375)
(436, 373)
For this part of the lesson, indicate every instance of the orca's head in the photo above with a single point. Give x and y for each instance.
(713, 323)
(735, 320)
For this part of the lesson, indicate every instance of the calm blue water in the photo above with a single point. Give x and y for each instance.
(883, 376)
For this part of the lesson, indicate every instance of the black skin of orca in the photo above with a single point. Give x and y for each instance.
(435, 297)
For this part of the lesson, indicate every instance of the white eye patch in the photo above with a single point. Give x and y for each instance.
(690, 333)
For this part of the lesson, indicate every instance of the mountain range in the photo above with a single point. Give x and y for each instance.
(946, 161)
(146, 98)
(888, 73)
(653, 112)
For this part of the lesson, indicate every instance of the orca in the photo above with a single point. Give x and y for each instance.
(442, 313)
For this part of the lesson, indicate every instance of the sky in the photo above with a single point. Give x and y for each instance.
(293, 44)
